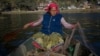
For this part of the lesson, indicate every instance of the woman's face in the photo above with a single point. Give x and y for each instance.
(53, 11)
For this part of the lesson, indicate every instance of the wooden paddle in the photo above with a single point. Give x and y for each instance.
(12, 35)
(67, 41)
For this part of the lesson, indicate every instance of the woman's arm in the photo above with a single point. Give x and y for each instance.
(36, 23)
(66, 24)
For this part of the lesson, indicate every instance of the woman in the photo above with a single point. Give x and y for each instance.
(51, 32)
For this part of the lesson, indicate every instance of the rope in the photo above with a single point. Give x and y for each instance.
(84, 37)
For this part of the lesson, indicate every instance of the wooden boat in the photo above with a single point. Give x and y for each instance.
(27, 49)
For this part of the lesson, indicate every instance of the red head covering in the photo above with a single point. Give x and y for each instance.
(51, 5)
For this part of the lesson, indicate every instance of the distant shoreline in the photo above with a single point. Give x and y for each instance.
(62, 11)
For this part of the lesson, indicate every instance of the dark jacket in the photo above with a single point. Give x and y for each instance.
(51, 24)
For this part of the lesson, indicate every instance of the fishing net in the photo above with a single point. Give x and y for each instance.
(48, 41)
(93, 47)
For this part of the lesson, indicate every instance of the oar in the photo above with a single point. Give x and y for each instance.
(12, 35)
(67, 41)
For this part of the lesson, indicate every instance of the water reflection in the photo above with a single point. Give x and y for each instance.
(12, 22)
(89, 22)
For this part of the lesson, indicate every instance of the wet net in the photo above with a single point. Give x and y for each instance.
(93, 47)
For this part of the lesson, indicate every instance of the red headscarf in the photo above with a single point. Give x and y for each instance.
(51, 5)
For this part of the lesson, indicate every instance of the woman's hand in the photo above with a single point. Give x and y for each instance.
(27, 25)
(74, 26)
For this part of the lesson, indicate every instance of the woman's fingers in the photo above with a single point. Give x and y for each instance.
(74, 26)
(26, 26)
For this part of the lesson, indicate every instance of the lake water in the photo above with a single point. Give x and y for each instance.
(90, 23)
